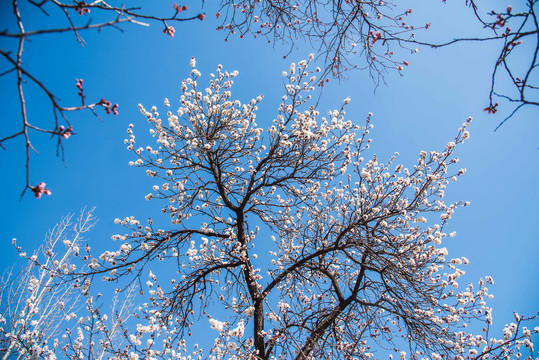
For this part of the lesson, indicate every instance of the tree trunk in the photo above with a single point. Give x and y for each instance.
(321, 328)
(260, 344)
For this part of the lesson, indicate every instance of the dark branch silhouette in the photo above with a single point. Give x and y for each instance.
(76, 12)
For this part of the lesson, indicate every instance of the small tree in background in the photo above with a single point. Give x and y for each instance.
(42, 316)
(351, 259)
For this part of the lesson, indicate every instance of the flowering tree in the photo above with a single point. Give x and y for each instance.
(41, 315)
(352, 262)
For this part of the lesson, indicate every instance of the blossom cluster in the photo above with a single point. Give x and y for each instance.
(40, 189)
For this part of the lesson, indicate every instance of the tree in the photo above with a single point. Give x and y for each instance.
(39, 311)
(356, 265)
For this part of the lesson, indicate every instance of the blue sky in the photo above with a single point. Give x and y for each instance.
(421, 110)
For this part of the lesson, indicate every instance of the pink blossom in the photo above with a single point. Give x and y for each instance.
(40, 190)
(169, 30)
(82, 9)
(108, 106)
(65, 133)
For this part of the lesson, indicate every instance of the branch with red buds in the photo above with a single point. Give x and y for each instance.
(12, 53)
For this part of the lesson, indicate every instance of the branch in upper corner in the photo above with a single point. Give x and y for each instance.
(59, 125)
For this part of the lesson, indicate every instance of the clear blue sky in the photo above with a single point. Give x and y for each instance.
(422, 110)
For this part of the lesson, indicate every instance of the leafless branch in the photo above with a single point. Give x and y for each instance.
(61, 128)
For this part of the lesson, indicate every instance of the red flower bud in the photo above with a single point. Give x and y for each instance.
(40, 190)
